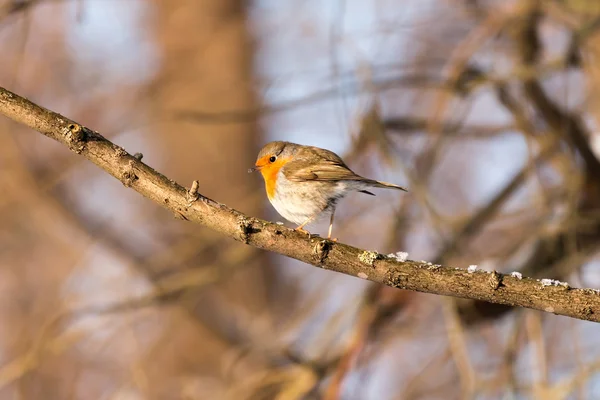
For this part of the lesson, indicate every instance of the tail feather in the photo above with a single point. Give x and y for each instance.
(388, 185)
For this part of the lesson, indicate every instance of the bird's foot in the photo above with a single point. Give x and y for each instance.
(307, 233)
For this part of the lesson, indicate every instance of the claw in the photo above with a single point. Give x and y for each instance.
(301, 230)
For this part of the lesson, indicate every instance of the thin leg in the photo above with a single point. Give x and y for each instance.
(301, 226)
(331, 224)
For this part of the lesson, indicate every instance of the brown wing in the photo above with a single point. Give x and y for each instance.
(329, 168)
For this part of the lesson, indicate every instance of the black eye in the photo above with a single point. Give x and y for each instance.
(272, 159)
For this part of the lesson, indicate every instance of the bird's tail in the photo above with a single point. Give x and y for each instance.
(387, 185)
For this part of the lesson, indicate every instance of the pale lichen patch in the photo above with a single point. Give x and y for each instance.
(517, 275)
(368, 257)
(399, 256)
(553, 282)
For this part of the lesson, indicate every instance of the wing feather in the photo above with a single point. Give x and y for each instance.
(330, 167)
(324, 171)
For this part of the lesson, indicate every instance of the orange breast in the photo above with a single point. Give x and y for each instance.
(269, 173)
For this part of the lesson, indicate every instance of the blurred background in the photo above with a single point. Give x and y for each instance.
(487, 110)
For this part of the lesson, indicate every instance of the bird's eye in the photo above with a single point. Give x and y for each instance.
(272, 159)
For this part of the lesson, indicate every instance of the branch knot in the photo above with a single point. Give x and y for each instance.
(74, 135)
(321, 250)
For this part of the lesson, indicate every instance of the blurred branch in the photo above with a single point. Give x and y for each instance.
(240, 116)
(571, 127)
(408, 125)
(485, 214)
(15, 6)
(457, 343)
(545, 295)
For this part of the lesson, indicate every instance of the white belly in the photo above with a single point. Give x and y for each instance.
(296, 207)
(301, 201)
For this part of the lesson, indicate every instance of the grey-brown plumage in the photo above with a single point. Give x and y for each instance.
(303, 182)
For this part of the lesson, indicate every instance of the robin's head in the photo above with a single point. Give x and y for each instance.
(273, 156)
(270, 159)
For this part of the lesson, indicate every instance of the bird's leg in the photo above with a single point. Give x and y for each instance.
(300, 227)
(331, 225)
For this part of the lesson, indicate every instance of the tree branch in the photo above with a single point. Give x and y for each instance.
(544, 295)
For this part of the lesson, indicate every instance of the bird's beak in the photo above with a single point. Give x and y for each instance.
(259, 164)
(257, 167)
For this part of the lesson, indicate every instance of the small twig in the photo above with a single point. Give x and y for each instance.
(192, 194)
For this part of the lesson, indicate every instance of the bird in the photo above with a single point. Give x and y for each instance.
(304, 182)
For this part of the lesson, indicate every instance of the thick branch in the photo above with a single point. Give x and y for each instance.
(549, 296)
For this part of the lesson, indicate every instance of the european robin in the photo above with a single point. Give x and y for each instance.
(304, 182)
